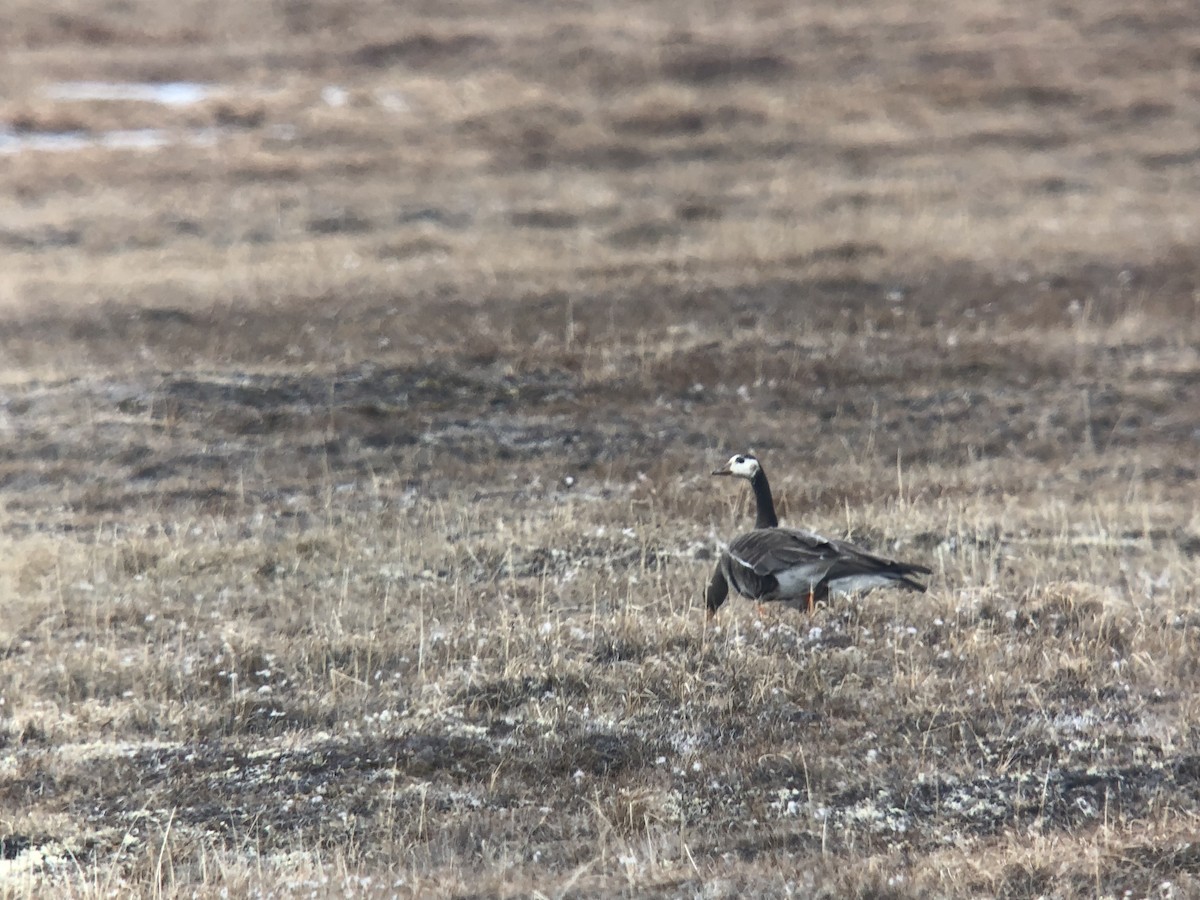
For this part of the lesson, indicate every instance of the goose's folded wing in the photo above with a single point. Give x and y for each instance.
(770, 550)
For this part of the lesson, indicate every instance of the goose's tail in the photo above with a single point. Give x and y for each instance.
(863, 575)
(902, 573)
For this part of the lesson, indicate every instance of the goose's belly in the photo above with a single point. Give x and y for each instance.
(856, 583)
(803, 580)
(799, 581)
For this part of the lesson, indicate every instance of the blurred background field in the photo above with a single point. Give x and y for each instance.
(361, 368)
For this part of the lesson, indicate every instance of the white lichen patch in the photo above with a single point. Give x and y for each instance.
(29, 869)
(878, 815)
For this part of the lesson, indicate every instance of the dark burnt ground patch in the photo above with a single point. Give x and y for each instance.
(212, 444)
(333, 790)
(341, 788)
(368, 391)
(954, 364)
(940, 810)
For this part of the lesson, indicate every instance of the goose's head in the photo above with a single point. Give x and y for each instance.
(743, 465)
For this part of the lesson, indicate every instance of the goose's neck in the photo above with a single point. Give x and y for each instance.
(766, 517)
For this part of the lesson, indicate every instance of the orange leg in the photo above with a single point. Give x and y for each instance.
(812, 602)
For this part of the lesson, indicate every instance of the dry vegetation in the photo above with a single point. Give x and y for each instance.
(353, 472)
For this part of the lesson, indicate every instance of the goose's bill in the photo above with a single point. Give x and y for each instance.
(724, 470)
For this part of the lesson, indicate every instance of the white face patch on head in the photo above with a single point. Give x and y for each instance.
(743, 465)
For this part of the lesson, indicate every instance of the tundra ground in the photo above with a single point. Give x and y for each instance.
(357, 412)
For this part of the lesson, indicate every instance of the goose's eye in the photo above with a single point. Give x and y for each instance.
(739, 460)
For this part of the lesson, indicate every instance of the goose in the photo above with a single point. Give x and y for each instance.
(772, 563)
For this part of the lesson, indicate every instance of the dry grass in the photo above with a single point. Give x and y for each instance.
(354, 450)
